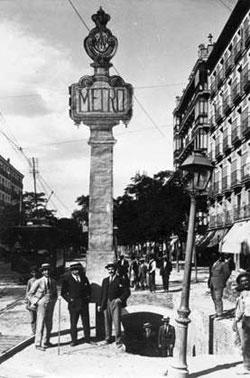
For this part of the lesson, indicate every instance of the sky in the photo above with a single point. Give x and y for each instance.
(42, 54)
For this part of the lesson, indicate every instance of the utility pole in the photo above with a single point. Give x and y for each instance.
(34, 173)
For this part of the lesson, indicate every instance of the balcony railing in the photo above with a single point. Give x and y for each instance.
(212, 88)
(246, 80)
(245, 124)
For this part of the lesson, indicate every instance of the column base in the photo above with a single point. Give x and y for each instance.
(96, 272)
(177, 372)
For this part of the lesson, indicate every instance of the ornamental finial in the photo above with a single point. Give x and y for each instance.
(100, 44)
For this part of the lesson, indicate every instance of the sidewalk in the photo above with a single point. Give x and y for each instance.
(94, 361)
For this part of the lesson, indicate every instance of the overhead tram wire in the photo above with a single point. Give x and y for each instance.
(19, 150)
(225, 5)
(136, 99)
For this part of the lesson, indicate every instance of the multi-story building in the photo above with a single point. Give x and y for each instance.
(229, 135)
(11, 184)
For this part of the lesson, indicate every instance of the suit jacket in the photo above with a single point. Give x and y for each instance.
(167, 269)
(118, 288)
(218, 274)
(166, 337)
(73, 290)
(40, 288)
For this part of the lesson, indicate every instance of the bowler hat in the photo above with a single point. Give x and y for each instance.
(111, 264)
(242, 274)
(165, 318)
(75, 266)
(147, 325)
(45, 266)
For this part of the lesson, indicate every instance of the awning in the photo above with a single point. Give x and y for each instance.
(205, 239)
(217, 237)
(237, 239)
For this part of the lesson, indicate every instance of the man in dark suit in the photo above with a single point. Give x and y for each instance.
(76, 291)
(115, 292)
(123, 267)
(165, 271)
(166, 338)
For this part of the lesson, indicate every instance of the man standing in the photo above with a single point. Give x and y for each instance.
(165, 271)
(76, 291)
(166, 338)
(43, 296)
(123, 267)
(115, 292)
(151, 273)
(217, 281)
(31, 309)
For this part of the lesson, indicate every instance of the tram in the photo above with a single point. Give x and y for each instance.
(34, 245)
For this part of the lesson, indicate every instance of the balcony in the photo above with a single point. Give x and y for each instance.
(237, 50)
(226, 144)
(236, 135)
(219, 79)
(227, 105)
(245, 124)
(236, 179)
(218, 151)
(228, 65)
(236, 92)
(218, 115)
(247, 35)
(245, 173)
(246, 80)
(226, 187)
(212, 89)
(228, 217)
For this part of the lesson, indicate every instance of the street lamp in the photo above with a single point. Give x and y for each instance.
(197, 172)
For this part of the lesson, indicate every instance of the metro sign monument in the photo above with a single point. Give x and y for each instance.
(101, 102)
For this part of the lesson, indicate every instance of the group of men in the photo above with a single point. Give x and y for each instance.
(76, 290)
(141, 272)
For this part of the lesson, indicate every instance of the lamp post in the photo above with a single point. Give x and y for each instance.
(197, 171)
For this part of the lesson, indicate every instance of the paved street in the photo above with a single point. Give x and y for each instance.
(103, 361)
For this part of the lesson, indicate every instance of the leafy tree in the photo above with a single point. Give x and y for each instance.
(34, 207)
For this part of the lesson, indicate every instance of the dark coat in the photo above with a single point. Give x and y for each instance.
(73, 290)
(118, 288)
(165, 271)
(166, 337)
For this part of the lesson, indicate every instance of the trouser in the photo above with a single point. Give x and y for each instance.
(244, 333)
(33, 317)
(113, 314)
(167, 351)
(152, 281)
(75, 313)
(165, 282)
(217, 295)
(45, 311)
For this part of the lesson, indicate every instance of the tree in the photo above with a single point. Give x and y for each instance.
(34, 207)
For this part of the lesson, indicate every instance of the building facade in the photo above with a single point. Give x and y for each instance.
(11, 184)
(229, 136)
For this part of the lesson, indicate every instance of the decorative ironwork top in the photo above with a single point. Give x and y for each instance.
(100, 44)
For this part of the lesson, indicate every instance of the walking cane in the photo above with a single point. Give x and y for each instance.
(59, 325)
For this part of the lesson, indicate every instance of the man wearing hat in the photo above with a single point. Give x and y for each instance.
(149, 347)
(76, 291)
(165, 271)
(43, 296)
(166, 338)
(115, 292)
(30, 308)
(241, 323)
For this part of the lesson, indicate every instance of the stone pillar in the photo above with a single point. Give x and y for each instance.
(100, 250)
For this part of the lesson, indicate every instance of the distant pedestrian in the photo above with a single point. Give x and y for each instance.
(151, 273)
(123, 267)
(76, 291)
(165, 272)
(134, 273)
(166, 338)
(242, 319)
(114, 294)
(33, 314)
(43, 296)
(149, 347)
(143, 270)
(219, 274)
